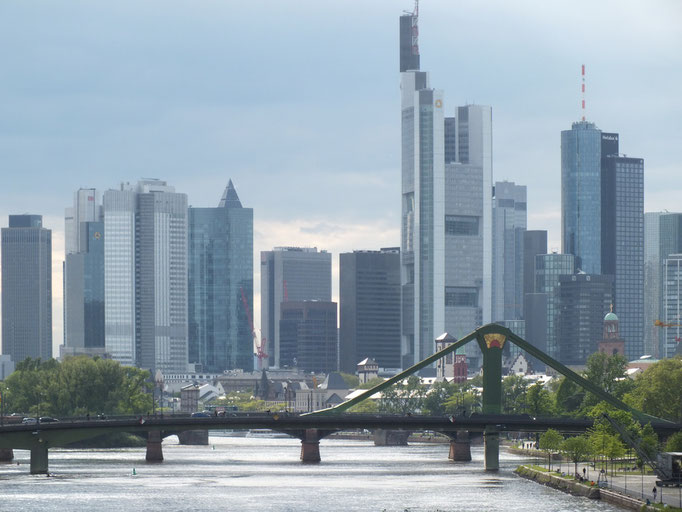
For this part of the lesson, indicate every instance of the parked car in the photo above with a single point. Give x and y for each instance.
(47, 419)
(29, 421)
(201, 414)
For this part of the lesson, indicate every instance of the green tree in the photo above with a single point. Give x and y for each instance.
(465, 401)
(368, 406)
(576, 449)
(352, 381)
(607, 372)
(550, 441)
(404, 397)
(371, 383)
(658, 390)
(437, 396)
(569, 396)
(539, 401)
(674, 443)
(514, 389)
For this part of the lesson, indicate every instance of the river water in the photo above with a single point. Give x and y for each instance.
(248, 474)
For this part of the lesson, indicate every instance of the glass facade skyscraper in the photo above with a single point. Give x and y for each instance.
(220, 282)
(26, 288)
(548, 269)
(581, 195)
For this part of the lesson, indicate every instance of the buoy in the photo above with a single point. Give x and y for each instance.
(134, 472)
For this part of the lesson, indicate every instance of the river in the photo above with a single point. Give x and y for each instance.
(247, 474)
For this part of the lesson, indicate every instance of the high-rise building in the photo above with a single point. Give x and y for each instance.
(26, 288)
(622, 242)
(290, 274)
(308, 336)
(369, 307)
(672, 304)
(446, 209)
(652, 282)
(583, 300)
(581, 154)
(84, 275)
(548, 269)
(221, 285)
(145, 275)
(534, 243)
(509, 226)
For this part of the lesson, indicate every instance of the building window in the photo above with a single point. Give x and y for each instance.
(461, 225)
(461, 296)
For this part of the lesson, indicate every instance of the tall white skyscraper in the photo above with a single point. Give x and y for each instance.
(145, 274)
(446, 230)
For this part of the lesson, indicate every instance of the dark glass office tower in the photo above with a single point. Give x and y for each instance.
(308, 336)
(369, 308)
(409, 47)
(622, 191)
(220, 283)
(583, 301)
(26, 288)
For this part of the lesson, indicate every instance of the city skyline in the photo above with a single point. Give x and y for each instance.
(185, 122)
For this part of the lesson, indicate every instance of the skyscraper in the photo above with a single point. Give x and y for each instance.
(622, 249)
(672, 304)
(548, 269)
(145, 275)
(290, 274)
(581, 195)
(308, 336)
(509, 226)
(369, 308)
(583, 300)
(84, 275)
(220, 283)
(446, 209)
(26, 288)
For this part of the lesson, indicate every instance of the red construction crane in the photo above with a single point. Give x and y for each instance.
(258, 347)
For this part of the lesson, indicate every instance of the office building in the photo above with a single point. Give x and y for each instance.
(145, 275)
(548, 269)
(534, 243)
(84, 275)
(583, 301)
(369, 308)
(672, 305)
(221, 285)
(308, 336)
(26, 288)
(509, 226)
(622, 247)
(290, 274)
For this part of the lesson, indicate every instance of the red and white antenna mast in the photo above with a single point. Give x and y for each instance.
(583, 91)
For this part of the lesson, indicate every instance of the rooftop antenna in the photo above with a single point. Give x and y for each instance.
(583, 91)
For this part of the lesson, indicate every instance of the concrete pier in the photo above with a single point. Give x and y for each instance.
(491, 447)
(194, 437)
(6, 455)
(39, 459)
(390, 437)
(460, 447)
(310, 446)
(154, 450)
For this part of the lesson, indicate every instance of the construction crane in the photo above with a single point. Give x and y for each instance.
(659, 323)
(258, 346)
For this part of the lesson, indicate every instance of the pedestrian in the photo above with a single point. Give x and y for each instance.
(584, 473)
(654, 491)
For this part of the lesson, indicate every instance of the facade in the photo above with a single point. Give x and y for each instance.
(622, 247)
(369, 307)
(672, 304)
(583, 301)
(652, 282)
(612, 344)
(290, 274)
(221, 285)
(581, 195)
(84, 275)
(536, 321)
(26, 288)
(548, 269)
(454, 365)
(534, 243)
(308, 336)
(145, 276)
(509, 226)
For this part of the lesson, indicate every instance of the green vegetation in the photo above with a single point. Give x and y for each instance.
(576, 449)
(550, 441)
(76, 387)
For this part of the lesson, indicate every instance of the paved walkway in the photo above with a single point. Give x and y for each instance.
(632, 483)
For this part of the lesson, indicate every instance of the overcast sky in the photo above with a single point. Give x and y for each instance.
(298, 102)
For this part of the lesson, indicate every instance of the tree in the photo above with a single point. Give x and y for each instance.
(352, 381)
(576, 449)
(658, 390)
(514, 389)
(404, 397)
(371, 383)
(607, 372)
(550, 441)
(437, 396)
(539, 401)
(674, 443)
(568, 396)
(464, 401)
(368, 406)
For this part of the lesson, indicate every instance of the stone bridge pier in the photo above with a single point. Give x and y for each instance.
(460, 446)
(39, 459)
(154, 449)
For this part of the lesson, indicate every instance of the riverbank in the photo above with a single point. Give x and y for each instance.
(576, 488)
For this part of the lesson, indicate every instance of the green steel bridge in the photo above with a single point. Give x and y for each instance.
(312, 427)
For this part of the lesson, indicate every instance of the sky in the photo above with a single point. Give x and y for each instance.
(298, 103)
